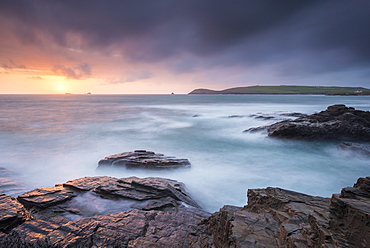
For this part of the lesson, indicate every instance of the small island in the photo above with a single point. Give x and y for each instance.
(287, 90)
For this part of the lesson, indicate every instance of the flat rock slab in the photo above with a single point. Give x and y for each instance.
(104, 212)
(142, 159)
(89, 196)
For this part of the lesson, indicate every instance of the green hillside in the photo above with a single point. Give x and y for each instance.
(285, 89)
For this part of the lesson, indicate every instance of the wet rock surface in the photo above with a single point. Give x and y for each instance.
(142, 159)
(12, 213)
(89, 196)
(280, 218)
(103, 212)
(336, 122)
(157, 212)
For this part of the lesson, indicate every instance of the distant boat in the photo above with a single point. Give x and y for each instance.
(88, 93)
(68, 93)
(172, 93)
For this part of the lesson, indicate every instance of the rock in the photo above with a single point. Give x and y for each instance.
(89, 196)
(161, 215)
(355, 147)
(255, 129)
(293, 114)
(280, 218)
(265, 117)
(12, 213)
(273, 218)
(350, 215)
(142, 159)
(236, 116)
(46, 197)
(337, 122)
(135, 228)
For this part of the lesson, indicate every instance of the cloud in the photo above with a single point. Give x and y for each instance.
(35, 77)
(80, 71)
(10, 65)
(132, 77)
(294, 37)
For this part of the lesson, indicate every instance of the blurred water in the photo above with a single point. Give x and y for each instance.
(49, 139)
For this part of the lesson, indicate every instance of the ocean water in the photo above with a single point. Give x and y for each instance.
(50, 139)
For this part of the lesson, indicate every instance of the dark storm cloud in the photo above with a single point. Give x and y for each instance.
(80, 71)
(301, 36)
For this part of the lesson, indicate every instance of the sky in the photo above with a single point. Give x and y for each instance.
(164, 46)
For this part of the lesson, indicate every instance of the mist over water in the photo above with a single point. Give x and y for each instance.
(50, 139)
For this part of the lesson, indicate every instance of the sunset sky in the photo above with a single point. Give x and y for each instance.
(164, 46)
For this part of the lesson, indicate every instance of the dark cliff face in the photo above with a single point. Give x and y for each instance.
(157, 212)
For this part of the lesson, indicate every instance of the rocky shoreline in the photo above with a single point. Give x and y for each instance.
(337, 122)
(157, 212)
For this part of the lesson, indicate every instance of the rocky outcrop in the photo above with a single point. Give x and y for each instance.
(104, 212)
(350, 215)
(12, 213)
(157, 212)
(89, 196)
(142, 159)
(273, 218)
(355, 147)
(280, 218)
(335, 123)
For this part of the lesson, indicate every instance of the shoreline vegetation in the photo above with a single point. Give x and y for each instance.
(286, 90)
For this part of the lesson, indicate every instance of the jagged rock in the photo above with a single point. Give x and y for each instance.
(280, 218)
(350, 215)
(135, 228)
(162, 215)
(12, 213)
(336, 122)
(355, 147)
(273, 218)
(142, 159)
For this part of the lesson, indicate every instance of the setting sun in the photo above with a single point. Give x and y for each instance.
(61, 87)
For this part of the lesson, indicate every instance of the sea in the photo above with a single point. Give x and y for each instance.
(50, 139)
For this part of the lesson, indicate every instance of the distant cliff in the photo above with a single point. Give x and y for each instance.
(283, 89)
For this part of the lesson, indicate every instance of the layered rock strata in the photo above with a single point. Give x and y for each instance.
(103, 212)
(157, 212)
(280, 218)
(142, 159)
